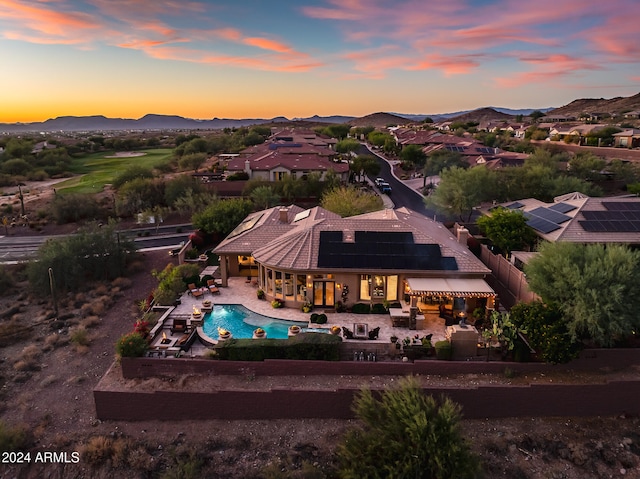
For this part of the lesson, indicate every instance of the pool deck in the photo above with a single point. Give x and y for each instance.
(240, 292)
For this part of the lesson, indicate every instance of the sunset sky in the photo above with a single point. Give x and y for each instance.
(265, 58)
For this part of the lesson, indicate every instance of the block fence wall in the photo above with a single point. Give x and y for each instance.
(611, 398)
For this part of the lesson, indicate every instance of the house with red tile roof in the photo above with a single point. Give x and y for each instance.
(295, 153)
(315, 256)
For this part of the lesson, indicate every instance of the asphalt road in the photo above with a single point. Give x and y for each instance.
(23, 248)
(401, 194)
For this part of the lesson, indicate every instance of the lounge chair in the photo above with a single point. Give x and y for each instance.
(193, 290)
(213, 289)
(347, 333)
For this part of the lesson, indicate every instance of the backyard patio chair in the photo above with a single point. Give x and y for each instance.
(179, 326)
(193, 290)
(213, 289)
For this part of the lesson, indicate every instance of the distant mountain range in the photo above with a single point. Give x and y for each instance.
(172, 122)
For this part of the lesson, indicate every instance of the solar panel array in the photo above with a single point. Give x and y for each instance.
(380, 250)
(515, 206)
(545, 220)
(619, 217)
(459, 149)
(562, 207)
(246, 225)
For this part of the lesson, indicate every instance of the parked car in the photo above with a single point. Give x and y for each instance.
(385, 188)
(379, 180)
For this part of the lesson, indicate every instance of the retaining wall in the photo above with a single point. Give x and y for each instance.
(612, 398)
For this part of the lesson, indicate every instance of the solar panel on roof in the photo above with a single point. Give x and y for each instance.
(562, 207)
(382, 250)
(604, 215)
(550, 215)
(610, 226)
(514, 206)
(540, 224)
(622, 205)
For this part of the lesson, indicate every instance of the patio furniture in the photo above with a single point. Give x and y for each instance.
(179, 326)
(373, 334)
(194, 291)
(347, 333)
(213, 289)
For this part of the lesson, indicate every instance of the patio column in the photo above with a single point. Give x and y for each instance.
(223, 270)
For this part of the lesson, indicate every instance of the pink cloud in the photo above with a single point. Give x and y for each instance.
(266, 44)
(450, 65)
(547, 68)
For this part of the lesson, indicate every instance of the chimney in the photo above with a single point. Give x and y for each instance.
(247, 167)
(284, 215)
(463, 235)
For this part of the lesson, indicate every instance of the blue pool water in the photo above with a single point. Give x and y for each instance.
(241, 322)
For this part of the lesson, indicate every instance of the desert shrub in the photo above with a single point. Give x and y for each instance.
(405, 433)
(73, 208)
(361, 308)
(97, 450)
(79, 337)
(121, 282)
(13, 438)
(443, 350)
(379, 308)
(131, 345)
(6, 280)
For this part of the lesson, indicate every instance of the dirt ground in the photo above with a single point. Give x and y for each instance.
(49, 368)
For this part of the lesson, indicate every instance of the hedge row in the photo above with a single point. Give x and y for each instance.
(318, 346)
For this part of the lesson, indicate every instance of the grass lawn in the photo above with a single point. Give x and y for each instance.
(96, 170)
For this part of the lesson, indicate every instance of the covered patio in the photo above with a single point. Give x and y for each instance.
(450, 298)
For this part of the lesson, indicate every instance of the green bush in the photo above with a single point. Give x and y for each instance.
(6, 280)
(443, 350)
(131, 345)
(13, 438)
(378, 308)
(361, 308)
(317, 346)
(318, 318)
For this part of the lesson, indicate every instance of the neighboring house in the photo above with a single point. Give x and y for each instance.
(627, 139)
(289, 153)
(578, 218)
(576, 131)
(632, 114)
(316, 256)
(558, 118)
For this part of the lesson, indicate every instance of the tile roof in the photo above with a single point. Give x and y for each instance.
(296, 245)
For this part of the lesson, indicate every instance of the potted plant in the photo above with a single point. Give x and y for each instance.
(294, 329)
(335, 330)
(394, 339)
(259, 333)
(260, 294)
(276, 303)
(306, 307)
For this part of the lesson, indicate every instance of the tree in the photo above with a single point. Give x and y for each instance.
(507, 229)
(131, 173)
(138, 195)
(350, 201)
(586, 166)
(536, 115)
(593, 285)
(192, 161)
(461, 190)
(413, 155)
(222, 216)
(338, 131)
(347, 146)
(406, 434)
(94, 253)
(440, 160)
(365, 165)
(547, 331)
(264, 197)
(177, 187)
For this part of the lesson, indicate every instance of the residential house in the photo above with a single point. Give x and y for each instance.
(315, 256)
(289, 153)
(632, 114)
(629, 138)
(578, 218)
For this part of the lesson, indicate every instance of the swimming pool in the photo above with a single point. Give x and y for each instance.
(241, 322)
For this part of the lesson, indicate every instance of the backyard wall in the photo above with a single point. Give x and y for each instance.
(612, 398)
(509, 276)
